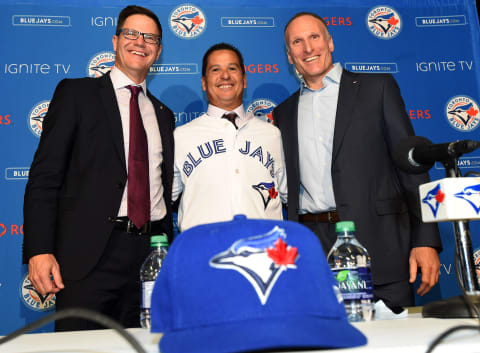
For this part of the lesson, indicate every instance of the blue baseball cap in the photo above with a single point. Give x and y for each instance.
(248, 285)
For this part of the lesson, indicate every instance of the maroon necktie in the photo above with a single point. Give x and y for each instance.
(231, 117)
(138, 198)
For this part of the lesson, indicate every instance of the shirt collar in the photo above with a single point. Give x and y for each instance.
(333, 76)
(217, 112)
(120, 80)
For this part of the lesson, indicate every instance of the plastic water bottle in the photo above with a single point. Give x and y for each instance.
(350, 264)
(148, 275)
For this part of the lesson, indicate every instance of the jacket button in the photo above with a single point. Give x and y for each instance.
(111, 219)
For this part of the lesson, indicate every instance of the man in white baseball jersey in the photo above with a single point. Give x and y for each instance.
(227, 162)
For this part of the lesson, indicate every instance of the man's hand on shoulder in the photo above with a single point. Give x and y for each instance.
(44, 273)
(427, 259)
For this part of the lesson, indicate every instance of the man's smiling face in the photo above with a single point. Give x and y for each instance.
(309, 48)
(134, 57)
(224, 79)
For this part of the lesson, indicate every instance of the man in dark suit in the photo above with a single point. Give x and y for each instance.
(85, 239)
(338, 134)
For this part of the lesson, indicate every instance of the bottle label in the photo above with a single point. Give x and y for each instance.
(354, 284)
(147, 289)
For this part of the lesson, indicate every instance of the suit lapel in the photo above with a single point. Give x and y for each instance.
(347, 96)
(289, 128)
(110, 105)
(293, 127)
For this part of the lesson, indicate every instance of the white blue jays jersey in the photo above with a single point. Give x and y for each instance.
(221, 171)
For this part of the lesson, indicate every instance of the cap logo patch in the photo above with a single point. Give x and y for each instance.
(261, 259)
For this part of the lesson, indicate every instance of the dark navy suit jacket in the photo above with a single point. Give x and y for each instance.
(369, 190)
(78, 174)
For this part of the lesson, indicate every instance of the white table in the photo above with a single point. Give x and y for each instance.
(411, 335)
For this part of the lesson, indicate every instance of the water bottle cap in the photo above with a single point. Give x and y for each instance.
(156, 239)
(345, 226)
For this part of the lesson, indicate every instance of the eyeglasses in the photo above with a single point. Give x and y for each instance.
(133, 34)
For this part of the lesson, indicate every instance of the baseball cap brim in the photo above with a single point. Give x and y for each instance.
(286, 331)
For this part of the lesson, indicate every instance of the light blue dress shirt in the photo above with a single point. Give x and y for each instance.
(316, 123)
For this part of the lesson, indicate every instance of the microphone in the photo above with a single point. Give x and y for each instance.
(417, 154)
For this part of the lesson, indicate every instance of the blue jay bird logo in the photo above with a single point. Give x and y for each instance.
(267, 192)
(471, 194)
(264, 113)
(188, 21)
(101, 69)
(39, 118)
(260, 259)
(385, 22)
(35, 294)
(434, 199)
(261, 111)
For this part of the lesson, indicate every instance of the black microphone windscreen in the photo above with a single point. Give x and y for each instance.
(402, 155)
(467, 146)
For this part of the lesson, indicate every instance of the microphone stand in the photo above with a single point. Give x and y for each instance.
(468, 304)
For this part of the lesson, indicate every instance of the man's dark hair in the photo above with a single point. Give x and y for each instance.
(222, 46)
(300, 14)
(137, 10)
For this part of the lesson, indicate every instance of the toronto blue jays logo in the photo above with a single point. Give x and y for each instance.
(384, 22)
(33, 299)
(260, 259)
(100, 64)
(187, 21)
(262, 108)
(434, 199)
(471, 194)
(36, 116)
(267, 192)
(462, 113)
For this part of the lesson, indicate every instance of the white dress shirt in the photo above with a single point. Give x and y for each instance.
(155, 149)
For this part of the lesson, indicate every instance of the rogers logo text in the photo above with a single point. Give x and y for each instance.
(34, 300)
(187, 21)
(262, 68)
(262, 109)
(14, 229)
(462, 113)
(36, 116)
(384, 22)
(100, 64)
(5, 119)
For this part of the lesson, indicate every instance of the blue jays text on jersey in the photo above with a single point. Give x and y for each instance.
(217, 146)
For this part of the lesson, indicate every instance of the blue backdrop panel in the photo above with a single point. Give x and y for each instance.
(430, 46)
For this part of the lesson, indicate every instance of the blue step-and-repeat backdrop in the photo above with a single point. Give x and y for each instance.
(432, 48)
